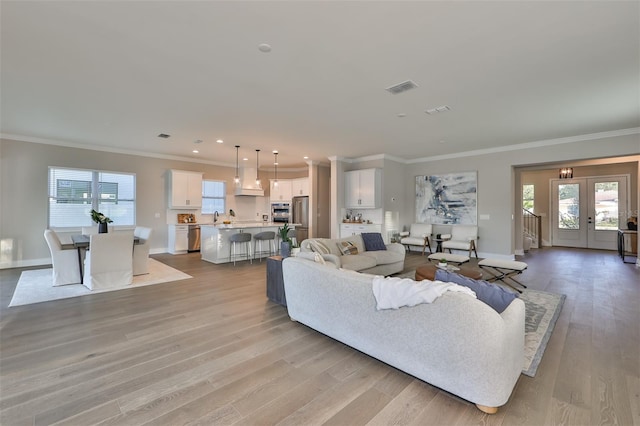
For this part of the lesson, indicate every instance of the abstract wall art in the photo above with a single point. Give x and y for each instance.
(447, 199)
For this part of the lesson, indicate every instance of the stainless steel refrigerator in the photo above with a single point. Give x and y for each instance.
(300, 215)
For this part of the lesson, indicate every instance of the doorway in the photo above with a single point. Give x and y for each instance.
(586, 212)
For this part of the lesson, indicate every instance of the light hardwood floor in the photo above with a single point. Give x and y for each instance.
(214, 350)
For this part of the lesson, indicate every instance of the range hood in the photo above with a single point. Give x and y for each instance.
(248, 185)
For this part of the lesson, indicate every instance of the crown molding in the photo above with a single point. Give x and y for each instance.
(527, 145)
(103, 148)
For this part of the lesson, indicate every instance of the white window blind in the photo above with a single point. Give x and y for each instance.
(213, 196)
(73, 193)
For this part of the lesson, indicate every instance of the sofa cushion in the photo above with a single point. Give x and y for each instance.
(373, 241)
(356, 240)
(347, 247)
(324, 259)
(384, 257)
(493, 295)
(319, 246)
(357, 262)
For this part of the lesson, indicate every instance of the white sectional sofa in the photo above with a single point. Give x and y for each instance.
(378, 262)
(456, 343)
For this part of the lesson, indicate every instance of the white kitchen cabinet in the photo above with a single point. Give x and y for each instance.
(363, 189)
(185, 189)
(299, 187)
(348, 229)
(178, 239)
(282, 192)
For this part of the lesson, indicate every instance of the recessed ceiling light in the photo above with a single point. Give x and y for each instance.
(197, 141)
(195, 151)
(443, 108)
(264, 48)
(305, 157)
(164, 136)
(219, 141)
(245, 159)
(402, 115)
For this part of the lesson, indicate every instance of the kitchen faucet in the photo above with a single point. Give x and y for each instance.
(215, 216)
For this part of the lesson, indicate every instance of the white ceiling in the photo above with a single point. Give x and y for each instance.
(116, 74)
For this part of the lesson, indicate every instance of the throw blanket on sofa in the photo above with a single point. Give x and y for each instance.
(393, 293)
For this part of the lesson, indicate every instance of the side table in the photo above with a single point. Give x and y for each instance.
(631, 244)
(275, 282)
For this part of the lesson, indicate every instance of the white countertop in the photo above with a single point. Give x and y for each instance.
(242, 225)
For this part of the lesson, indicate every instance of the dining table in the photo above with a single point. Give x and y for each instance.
(81, 242)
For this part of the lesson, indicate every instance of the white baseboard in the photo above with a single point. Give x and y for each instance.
(25, 263)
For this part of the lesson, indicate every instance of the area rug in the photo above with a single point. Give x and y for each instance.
(542, 310)
(35, 286)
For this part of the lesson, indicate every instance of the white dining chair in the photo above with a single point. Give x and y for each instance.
(89, 230)
(141, 250)
(109, 261)
(66, 267)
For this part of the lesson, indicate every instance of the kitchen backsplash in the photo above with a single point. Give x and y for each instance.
(186, 218)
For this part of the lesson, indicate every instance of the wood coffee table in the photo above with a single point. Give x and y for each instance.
(428, 272)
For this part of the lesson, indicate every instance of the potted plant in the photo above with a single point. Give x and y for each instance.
(285, 241)
(443, 263)
(101, 220)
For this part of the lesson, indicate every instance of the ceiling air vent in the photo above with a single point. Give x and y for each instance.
(164, 136)
(401, 87)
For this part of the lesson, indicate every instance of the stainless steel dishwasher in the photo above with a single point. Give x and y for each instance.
(194, 238)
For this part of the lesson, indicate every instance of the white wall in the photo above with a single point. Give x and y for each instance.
(496, 182)
(23, 196)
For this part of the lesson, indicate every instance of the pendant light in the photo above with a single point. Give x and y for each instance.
(275, 163)
(237, 178)
(258, 184)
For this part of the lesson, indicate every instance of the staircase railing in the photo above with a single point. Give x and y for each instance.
(532, 227)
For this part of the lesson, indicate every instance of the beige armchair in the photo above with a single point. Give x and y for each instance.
(66, 269)
(463, 237)
(418, 235)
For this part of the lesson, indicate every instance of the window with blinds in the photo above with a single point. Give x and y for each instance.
(74, 193)
(213, 196)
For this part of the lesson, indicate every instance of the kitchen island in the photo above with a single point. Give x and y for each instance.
(214, 239)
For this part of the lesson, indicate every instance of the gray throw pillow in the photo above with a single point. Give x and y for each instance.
(491, 294)
(373, 241)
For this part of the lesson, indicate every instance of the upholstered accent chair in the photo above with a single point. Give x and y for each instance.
(418, 235)
(66, 269)
(463, 237)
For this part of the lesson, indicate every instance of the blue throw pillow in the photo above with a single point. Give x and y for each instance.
(493, 295)
(373, 241)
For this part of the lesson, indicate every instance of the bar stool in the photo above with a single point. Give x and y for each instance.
(269, 237)
(292, 236)
(241, 237)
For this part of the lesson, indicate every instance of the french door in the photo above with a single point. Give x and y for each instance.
(587, 212)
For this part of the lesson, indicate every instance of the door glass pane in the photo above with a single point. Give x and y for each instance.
(606, 197)
(569, 206)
